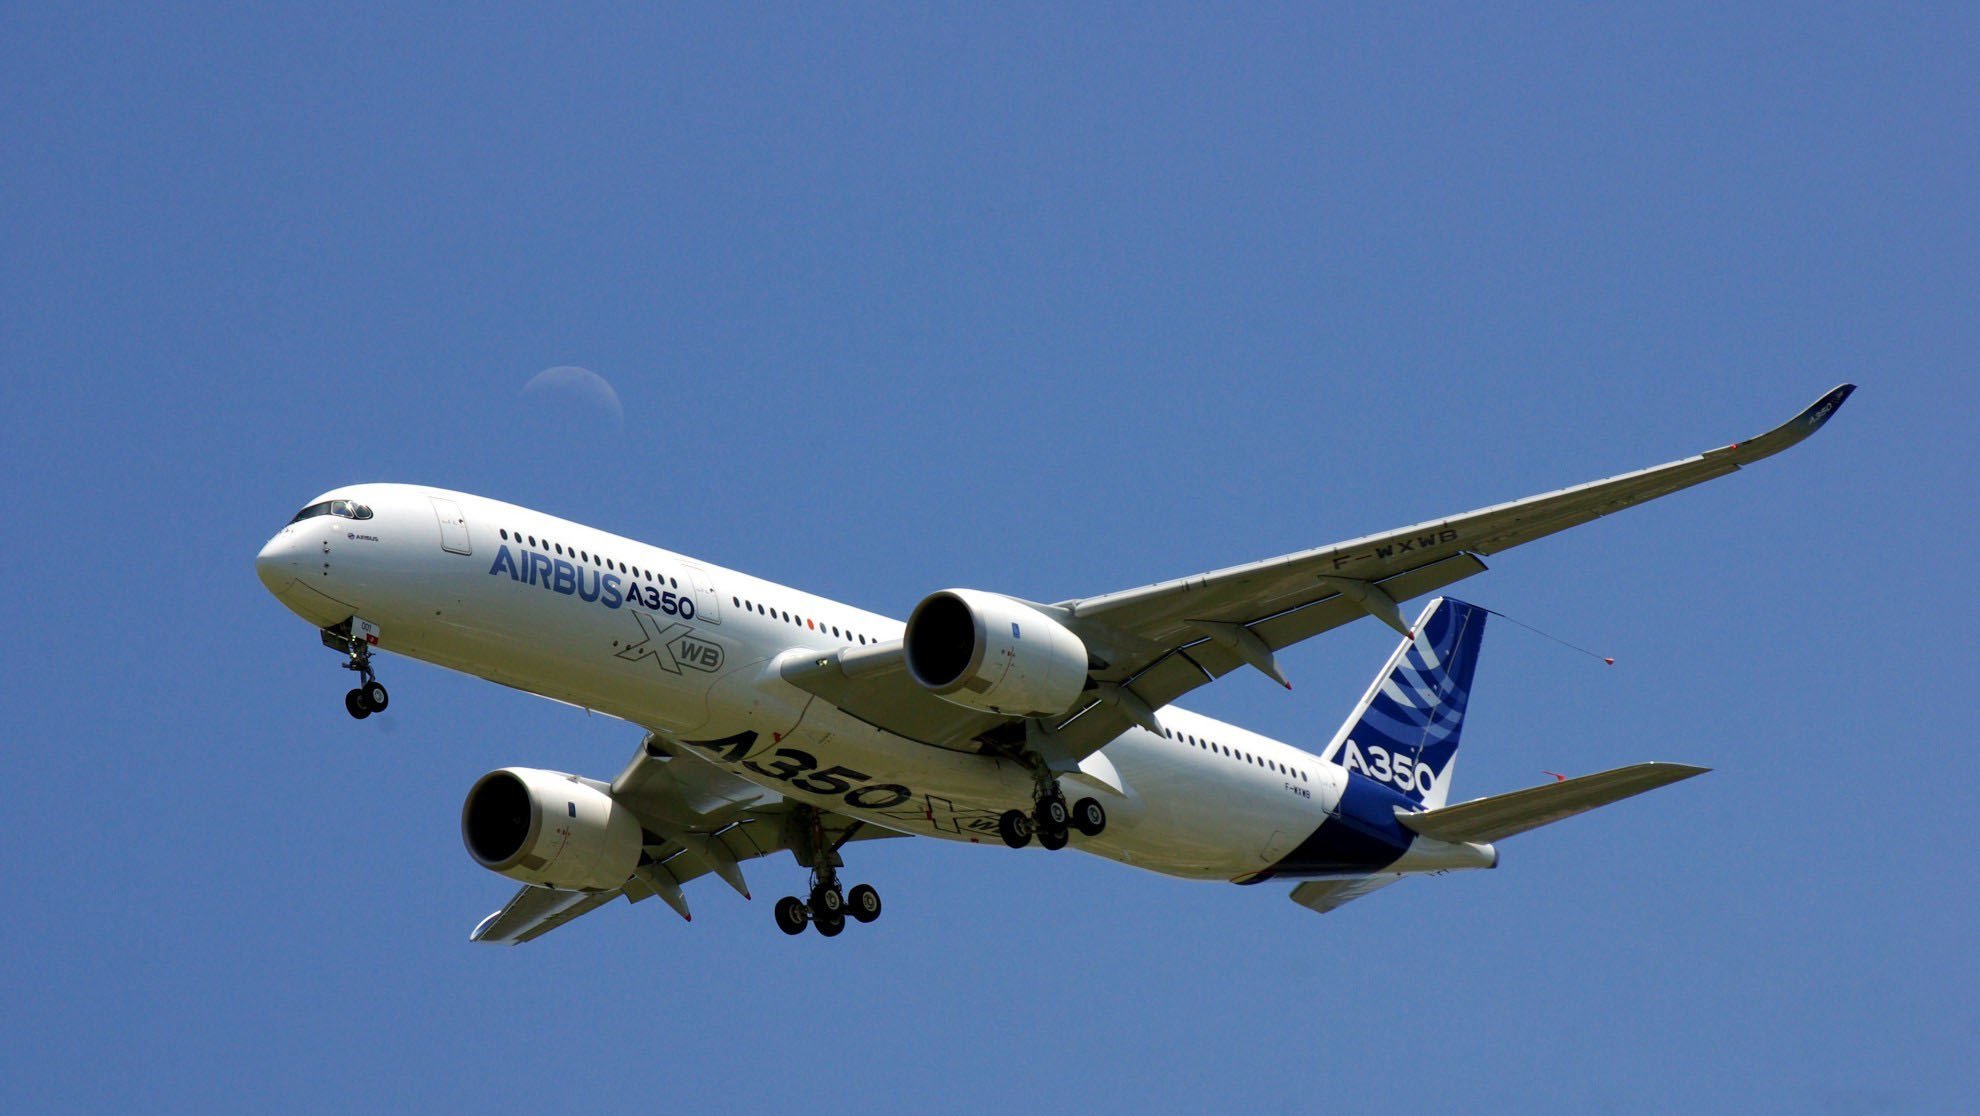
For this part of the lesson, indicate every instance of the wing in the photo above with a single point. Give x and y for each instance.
(1160, 641)
(699, 820)
(536, 911)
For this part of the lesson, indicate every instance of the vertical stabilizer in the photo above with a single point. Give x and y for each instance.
(1404, 732)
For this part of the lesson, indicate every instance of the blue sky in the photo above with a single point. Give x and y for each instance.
(1042, 301)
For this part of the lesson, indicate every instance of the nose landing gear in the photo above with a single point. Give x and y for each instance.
(354, 638)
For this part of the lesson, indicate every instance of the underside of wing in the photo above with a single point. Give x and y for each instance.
(696, 820)
(1149, 646)
(536, 911)
(1163, 613)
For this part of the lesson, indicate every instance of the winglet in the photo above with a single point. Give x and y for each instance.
(1793, 430)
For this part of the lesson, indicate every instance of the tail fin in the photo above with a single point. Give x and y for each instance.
(1404, 733)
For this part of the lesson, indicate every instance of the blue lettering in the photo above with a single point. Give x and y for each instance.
(539, 569)
(504, 561)
(612, 597)
(593, 595)
(653, 598)
(566, 582)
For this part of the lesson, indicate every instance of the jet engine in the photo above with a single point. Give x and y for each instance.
(551, 829)
(990, 652)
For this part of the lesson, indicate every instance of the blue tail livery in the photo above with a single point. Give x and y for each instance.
(1404, 732)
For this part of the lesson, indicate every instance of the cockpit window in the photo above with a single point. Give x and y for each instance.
(349, 509)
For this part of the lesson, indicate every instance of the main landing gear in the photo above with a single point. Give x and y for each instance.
(1050, 819)
(827, 907)
(369, 695)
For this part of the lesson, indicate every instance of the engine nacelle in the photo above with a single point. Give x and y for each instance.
(990, 652)
(545, 827)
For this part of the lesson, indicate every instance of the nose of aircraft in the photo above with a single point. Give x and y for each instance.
(279, 563)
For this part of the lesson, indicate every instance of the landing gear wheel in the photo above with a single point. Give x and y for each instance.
(375, 696)
(1053, 839)
(790, 915)
(829, 924)
(1052, 813)
(826, 900)
(1015, 828)
(356, 706)
(863, 903)
(1089, 817)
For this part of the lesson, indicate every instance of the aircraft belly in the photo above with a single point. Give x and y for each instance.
(1173, 812)
(1171, 815)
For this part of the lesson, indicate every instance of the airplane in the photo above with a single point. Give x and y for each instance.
(776, 720)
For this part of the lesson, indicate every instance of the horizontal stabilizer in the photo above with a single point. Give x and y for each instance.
(1321, 896)
(1503, 815)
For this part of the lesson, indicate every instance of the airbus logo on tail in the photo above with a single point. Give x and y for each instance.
(1397, 770)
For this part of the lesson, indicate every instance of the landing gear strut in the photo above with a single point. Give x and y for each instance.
(1050, 819)
(369, 695)
(827, 906)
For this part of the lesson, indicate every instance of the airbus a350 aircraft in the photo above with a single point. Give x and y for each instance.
(780, 720)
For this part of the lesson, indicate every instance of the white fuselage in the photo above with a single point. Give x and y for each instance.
(691, 650)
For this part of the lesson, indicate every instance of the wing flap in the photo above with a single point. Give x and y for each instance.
(1503, 815)
(1204, 660)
